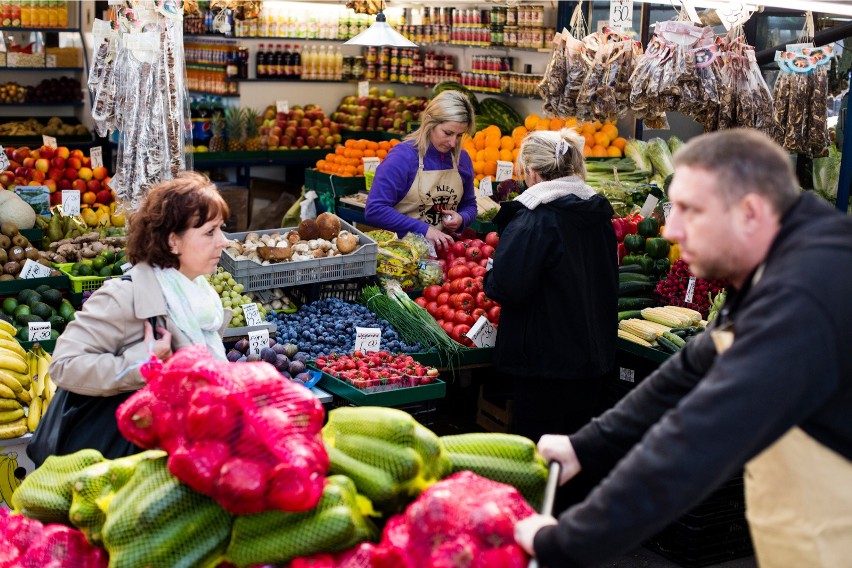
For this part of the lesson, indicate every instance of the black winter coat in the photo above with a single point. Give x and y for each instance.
(555, 274)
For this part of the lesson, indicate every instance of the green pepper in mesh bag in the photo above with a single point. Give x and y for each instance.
(275, 537)
(506, 458)
(155, 520)
(389, 455)
(94, 487)
(45, 494)
(419, 243)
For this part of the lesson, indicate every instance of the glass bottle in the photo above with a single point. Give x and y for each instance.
(297, 63)
(260, 62)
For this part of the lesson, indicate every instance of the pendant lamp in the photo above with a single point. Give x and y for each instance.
(380, 33)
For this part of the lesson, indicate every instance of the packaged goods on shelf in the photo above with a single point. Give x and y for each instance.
(65, 56)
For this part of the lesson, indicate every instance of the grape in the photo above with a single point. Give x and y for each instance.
(239, 288)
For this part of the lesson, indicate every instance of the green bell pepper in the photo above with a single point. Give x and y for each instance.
(634, 243)
(662, 267)
(643, 260)
(657, 247)
(648, 227)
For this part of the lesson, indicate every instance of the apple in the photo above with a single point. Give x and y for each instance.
(104, 196)
(58, 162)
(275, 131)
(6, 178)
(56, 198)
(37, 176)
(74, 162)
(302, 132)
(55, 174)
(85, 173)
(88, 198)
(63, 183)
(311, 141)
(285, 142)
(329, 141)
(273, 141)
(46, 152)
(87, 162)
(22, 172)
(299, 142)
(71, 173)
(42, 165)
(77, 154)
(50, 184)
(290, 131)
(79, 185)
(93, 185)
(63, 152)
(20, 154)
(99, 173)
(29, 162)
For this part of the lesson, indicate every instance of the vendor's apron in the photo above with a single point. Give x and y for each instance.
(799, 504)
(431, 191)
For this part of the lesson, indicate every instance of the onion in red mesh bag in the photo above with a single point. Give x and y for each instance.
(357, 557)
(463, 521)
(237, 432)
(27, 543)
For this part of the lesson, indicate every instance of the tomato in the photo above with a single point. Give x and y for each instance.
(465, 284)
(478, 313)
(459, 331)
(448, 327)
(421, 301)
(443, 264)
(484, 263)
(492, 239)
(431, 292)
(483, 301)
(450, 314)
(432, 308)
(473, 253)
(442, 309)
(463, 301)
(487, 251)
(477, 243)
(494, 314)
(463, 317)
(478, 271)
(458, 272)
(440, 322)
(458, 248)
(460, 261)
(479, 281)
(443, 298)
(445, 287)
(449, 257)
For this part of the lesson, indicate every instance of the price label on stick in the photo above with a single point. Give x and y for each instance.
(363, 88)
(621, 14)
(97, 155)
(50, 61)
(48, 141)
(4, 159)
(125, 267)
(485, 188)
(370, 164)
(649, 205)
(33, 269)
(251, 314)
(258, 340)
(368, 339)
(282, 106)
(504, 170)
(70, 202)
(38, 330)
(482, 333)
(667, 209)
(690, 289)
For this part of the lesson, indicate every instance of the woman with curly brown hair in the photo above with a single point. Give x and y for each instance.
(162, 304)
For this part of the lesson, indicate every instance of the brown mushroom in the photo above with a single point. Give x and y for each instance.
(329, 225)
(308, 229)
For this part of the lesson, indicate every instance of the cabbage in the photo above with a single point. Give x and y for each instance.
(637, 150)
(674, 144)
(661, 157)
(826, 172)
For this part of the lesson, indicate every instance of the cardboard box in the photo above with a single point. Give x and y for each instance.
(14, 465)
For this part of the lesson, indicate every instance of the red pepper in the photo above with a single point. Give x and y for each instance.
(241, 486)
(212, 414)
(198, 465)
(618, 227)
(622, 252)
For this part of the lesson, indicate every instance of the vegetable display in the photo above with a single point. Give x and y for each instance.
(674, 290)
(27, 543)
(378, 371)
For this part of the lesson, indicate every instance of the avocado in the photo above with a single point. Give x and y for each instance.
(22, 309)
(26, 296)
(24, 319)
(54, 334)
(116, 270)
(85, 270)
(9, 305)
(23, 334)
(76, 266)
(57, 323)
(40, 309)
(66, 310)
(43, 288)
(51, 297)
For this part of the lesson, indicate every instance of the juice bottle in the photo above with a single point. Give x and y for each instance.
(297, 63)
(321, 63)
(43, 14)
(53, 14)
(287, 62)
(338, 64)
(260, 62)
(62, 13)
(26, 14)
(279, 62)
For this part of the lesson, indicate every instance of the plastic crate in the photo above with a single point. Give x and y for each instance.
(338, 186)
(253, 276)
(81, 283)
(391, 397)
(349, 291)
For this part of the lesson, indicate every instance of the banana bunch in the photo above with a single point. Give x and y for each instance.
(8, 481)
(25, 385)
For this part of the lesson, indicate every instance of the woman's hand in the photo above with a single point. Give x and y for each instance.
(451, 219)
(162, 347)
(438, 238)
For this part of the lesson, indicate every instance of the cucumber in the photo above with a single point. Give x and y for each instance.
(667, 345)
(678, 341)
(633, 288)
(635, 303)
(631, 268)
(628, 314)
(633, 277)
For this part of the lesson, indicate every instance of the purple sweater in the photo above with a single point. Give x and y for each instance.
(394, 177)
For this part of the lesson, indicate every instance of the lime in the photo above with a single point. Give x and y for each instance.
(85, 270)
(76, 266)
(116, 269)
(109, 256)
(106, 270)
(98, 262)
(22, 309)
(9, 305)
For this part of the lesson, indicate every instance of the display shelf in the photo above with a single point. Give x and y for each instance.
(211, 93)
(267, 38)
(7, 68)
(489, 47)
(9, 287)
(69, 103)
(648, 353)
(45, 30)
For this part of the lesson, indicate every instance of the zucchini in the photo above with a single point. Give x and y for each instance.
(633, 277)
(633, 288)
(669, 336)
(635, 303)
(682, 333)
(632, 268)
(628, 314)
(667, 345)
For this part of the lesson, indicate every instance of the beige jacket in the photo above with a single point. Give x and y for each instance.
(106, 336)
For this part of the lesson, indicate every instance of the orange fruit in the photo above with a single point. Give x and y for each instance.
(587, 151)
(610, 130)
(394, 142)
(613, 152)
(480, 156)
(590, 140)
(601, 139)
(570, 122)
(492, 154)
(490, 168)
(515, 153)
(588, 128)
(372, 145)
(492, 141)
(477, 167)
(543, 124)
(350, 143)
(340, 150)
(506, 155)
(599, 151)
(530, 121)
(619, 143)
(519, 132)
(381, 153)
(556, 123)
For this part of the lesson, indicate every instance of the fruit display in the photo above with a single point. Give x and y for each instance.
(15, 248)
(42, 304)
(377, 371)
(55, 90)
(12, 93)
(286, 358)
(300, 128)
(347, 160)
(231, 294)
(674, 289)
(488, 146)
(25, 388)
(641, 245)
(379, 111)
(275, 299)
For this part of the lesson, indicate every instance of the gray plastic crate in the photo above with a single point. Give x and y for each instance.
(254, 276)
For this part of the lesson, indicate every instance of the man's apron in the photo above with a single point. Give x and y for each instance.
(432, 191)
(799, 504)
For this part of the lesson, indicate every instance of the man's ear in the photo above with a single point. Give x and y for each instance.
(755, 211)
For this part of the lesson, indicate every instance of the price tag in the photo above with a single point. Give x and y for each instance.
(621, 14)
(125, 267)
(627, 375)
(70, 202)
(38, 330)
(734, 14)
(4, 159)
(282, 106)
(50, 61)
(251, 314)
(667, 208)
(363, 89)
(504, 170)
(368, 339)
(97, 156)
(370, 164)
(33, 269)
(482, 333)
(485, 188)
(649, 205)
(258, 340)
(690, 289)
(48, 141)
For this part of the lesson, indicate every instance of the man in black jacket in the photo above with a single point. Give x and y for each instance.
(768, 386)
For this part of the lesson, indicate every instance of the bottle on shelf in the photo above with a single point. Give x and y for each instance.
(243, 57)
(260, 62)
(321, 65)
(307, 63)
(288, 62)
(338, 64)
(297, 63)
(278, 58)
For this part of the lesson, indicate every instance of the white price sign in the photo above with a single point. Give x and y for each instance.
(251, 314)
(258, 340)
(48, 140)
(70, 202)
(4, 159)
(690, 289)
(370, 164)
(50, 61)
(734, 14)
(649, 205)
(282, 106)
(485, 188)
(97, 156)
(363, 88)
(621, 14)
(33, 269)
(125, 267)
(504, 170)
(368, 339)
(482, 333)
(626, 375)
(667, 208)
(38, 330)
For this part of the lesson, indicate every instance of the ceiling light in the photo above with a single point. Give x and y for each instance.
(380, 33)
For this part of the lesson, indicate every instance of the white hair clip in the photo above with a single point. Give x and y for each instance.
(562, 148)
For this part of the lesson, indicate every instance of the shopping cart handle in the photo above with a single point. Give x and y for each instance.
(554, 469)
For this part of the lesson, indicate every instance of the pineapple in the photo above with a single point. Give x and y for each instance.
(217, 125)
(235, 129)
(252, 135)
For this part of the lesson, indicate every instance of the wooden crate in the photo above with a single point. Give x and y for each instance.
(494, 414)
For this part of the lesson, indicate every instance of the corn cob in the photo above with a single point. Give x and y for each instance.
(665, 317)
(630, 337)
(658, 327)
(694, 316)
(639, 328)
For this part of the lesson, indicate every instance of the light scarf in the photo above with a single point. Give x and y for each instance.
(194, 307)
(547, 191)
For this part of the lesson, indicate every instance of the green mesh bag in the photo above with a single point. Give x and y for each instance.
(506, 458)
(276, 537)
(389, 455)
(93, 488)
(155, 520)
(45, 494)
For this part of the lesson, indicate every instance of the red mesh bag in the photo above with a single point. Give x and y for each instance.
(237, 432)
(463, 521)
(27, 543)
(357, 557)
